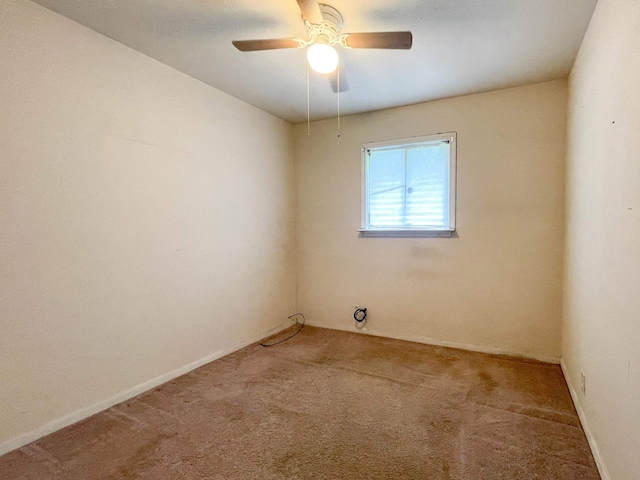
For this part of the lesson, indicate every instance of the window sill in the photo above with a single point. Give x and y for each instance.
(442, 233)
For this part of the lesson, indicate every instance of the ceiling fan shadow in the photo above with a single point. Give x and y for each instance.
(342, 86)
(441, 11)
(184, 19)
(181, 22)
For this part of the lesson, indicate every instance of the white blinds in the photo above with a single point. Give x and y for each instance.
(408, 187)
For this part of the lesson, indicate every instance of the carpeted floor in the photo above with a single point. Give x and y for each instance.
(330, 405)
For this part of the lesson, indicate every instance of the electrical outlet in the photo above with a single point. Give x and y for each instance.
(583, 383)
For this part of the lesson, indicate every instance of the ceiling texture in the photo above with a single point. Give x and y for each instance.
(459, 47)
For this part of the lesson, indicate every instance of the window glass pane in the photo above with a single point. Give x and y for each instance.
(427, 186)
(386, 188)
(409, 184)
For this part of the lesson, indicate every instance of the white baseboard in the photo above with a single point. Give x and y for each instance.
(443, 343)
(597, 456)
(83, 413)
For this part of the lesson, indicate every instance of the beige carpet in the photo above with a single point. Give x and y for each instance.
(330, 405)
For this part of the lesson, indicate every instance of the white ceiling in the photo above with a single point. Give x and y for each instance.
(459, 47)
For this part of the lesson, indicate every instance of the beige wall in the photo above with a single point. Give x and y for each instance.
(601, 329)
(497, 286)
(146, 219)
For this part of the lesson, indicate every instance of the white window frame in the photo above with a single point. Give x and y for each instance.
(367, 231)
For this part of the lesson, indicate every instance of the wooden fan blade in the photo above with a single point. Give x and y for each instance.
(310, 11)
(269, 44)
(393, 40)
(333, 79)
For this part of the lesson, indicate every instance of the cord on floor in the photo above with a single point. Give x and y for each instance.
(288, 338)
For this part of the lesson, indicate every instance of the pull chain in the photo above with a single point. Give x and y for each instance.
(308, 108)
(338, 99)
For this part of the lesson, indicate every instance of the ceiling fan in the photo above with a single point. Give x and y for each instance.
(324, 29)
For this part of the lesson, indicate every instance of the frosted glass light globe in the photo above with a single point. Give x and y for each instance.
(322, 58)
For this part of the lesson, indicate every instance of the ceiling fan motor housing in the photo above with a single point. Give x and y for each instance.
(329, 30)
(331, 17)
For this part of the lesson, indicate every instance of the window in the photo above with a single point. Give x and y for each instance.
(409, 187)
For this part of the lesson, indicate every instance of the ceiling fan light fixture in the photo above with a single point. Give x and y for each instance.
(322, 58)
